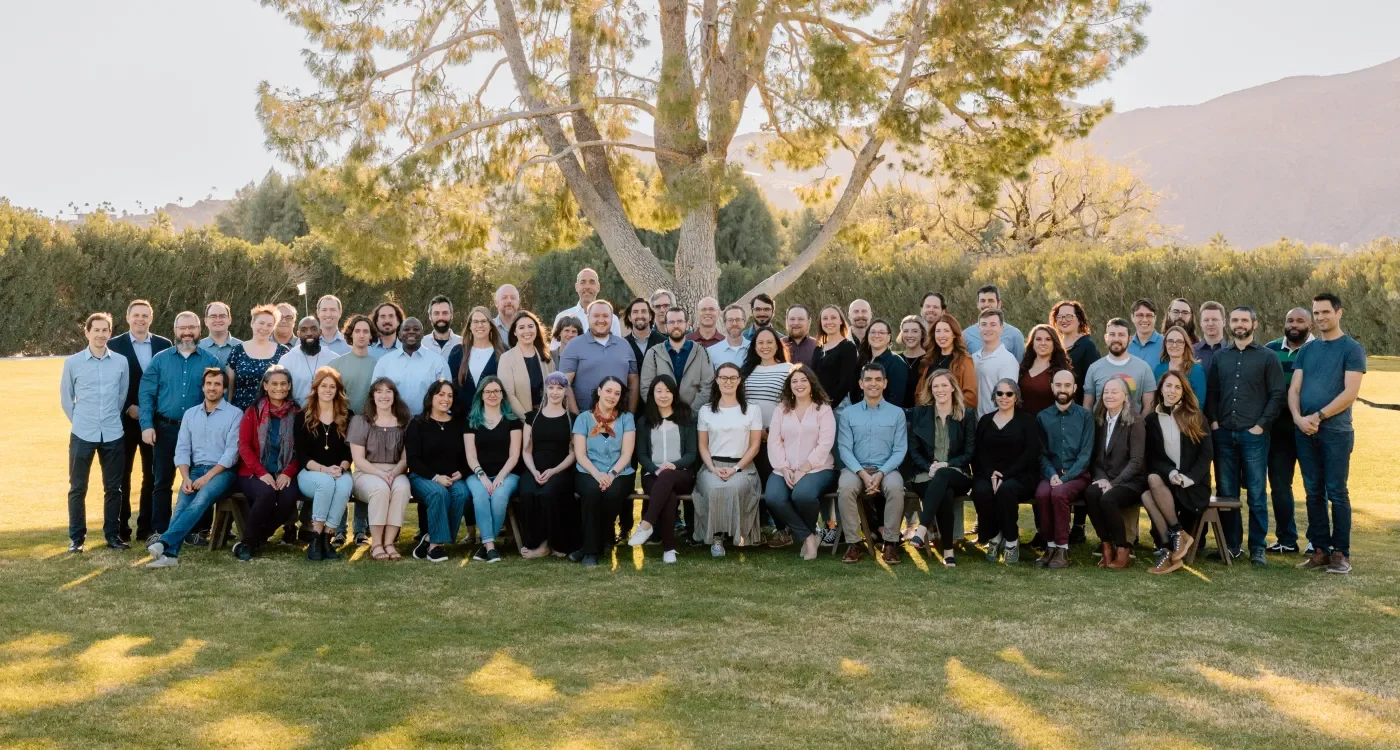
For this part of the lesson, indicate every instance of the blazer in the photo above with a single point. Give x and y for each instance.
(122, 345)
(961, 439)
(1123, 462)
(464, 391)
(1195, 463)
(690, 446)
(511, 369)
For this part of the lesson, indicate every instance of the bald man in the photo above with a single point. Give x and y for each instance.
(587, 286)
(303, 360)
(707, 332)
(1283, 449)
(860, 315)
(507, 307)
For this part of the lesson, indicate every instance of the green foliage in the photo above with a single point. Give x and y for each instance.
(269, 209)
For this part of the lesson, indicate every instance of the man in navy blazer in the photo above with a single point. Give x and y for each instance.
(138, 345)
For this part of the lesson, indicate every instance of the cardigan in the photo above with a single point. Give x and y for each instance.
(515, 376)
(1013, 450)
(961, 439)
(690, 446)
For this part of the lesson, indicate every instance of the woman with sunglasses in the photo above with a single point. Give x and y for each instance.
(1004, 470)
(549, 513)
(605, 438)
(494, 436)
(727, 492)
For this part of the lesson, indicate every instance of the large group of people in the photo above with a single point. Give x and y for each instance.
(739, 429)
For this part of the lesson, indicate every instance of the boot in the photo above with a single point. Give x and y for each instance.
(315, 551)
(1105, 554)
(1121, 561)
(1059, 559)
(328, 547)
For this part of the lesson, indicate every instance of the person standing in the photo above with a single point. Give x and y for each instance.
(1118, 363)
(989, 298)
(735, 346)
(284, 332)
(661, 300)
(267, 460)
(388, 318)
(593, 357)
(411, 367)
(941, 430)
(913, 334)
(1244, 395)
(477, 358)
(587, 286)
(801, 346)
(859, 315)
(707, 332)
(250, 359)
(727, 490)
(992, 360)
(138, 345)
(525, 365)
(762, 308)
(1326, 380)
(1004, 470)
(324, 453)
(1212, 333)
(1118, 471)
(1146, 345)
(434, 446)
(356, 368)
(1179, 314)
(1044, 357)
(800, 441)
(641, 334)
(1179, 356)
(1283, 449)
(1072, 323)
(931, 308)
(668, 451)
(443, 339)
(872, 440)
(219, 342)
(837, 358)
(604, 439)
(92, 390)
(1067, 447)
(328, 317)
(875, 347)
(1178, 470)
(683, 360)
(507, 307)
(309, 356)
(948, 352)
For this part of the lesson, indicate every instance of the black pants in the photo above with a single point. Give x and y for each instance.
(109, 455)
(598, 508)
(662, 501)
(542, 511)
(131, 437)
(163, 474)
(1106, 511)
(266, 507)
(940, 494)
(997, 511)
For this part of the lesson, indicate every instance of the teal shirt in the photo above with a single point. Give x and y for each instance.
(604, 451)
(172, 384)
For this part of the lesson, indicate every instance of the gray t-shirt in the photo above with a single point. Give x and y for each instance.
(356, 373)
(1136, 372)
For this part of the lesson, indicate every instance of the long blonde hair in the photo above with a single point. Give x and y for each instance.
(926, 392)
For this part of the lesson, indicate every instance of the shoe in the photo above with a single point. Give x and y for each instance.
(328, 546)
(1076, 535)
(669, 556)
(306, 535)
(780, 539)
(1044, 560)
(1013, 554)
(420, 550)
(338, 540)
(124, 534)
(118, 544)
(576, 556)
(717, 549)
(156, 547)
(890, 555)
(480, 554)
(829, 536)
(289, 535)
(640, 536)
(242, 552)
(1105, 554)
(493, 555)
(163, 561)
(197, 539)
(362, 540)
(1315, 560)
(1165, 563)
(1341, 564)
(1059, 559)
(1181, 544)
(1038, 542)
(919, 538)
(152, 537)
(950, 560)
(315, 549)
(854, 553)
(436, 554)
(1122, 559)
(810, 547)
(1258, 560)
(1236, 553)
(75, 547)
(1282, 549)
(994, 549)
(590, 561)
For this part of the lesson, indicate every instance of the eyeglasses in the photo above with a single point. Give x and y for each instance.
(492, 392)
(1006, 394)
(1067, 318)
(729, 379)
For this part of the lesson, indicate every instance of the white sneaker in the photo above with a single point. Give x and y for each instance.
(157, 549)
(717, 549)
(669, 556)
(164, 561)
(639, 537)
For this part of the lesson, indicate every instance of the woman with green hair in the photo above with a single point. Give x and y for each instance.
(494, 437)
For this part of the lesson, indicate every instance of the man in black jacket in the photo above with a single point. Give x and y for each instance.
(138, 345)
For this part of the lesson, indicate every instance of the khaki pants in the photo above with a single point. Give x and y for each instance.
(849, 489)
(386, 504)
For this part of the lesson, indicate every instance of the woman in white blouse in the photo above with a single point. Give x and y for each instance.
(727, 492)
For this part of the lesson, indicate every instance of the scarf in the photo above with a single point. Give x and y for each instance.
(282, 452)
(603, 425)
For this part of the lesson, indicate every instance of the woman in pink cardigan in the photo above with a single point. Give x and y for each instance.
(800, 439)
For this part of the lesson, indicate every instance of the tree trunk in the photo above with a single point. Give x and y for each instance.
(697, 273)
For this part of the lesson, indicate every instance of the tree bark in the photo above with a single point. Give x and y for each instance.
(697, 273)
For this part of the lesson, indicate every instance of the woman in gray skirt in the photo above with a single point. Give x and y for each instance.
(727, 493)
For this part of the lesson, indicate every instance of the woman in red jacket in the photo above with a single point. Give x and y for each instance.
(267, 460)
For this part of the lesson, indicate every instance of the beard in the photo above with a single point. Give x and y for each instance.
(311, 346)
(1064, 398)
(442, 326)
(1240, 333)
(1117, 349)
(1295, 335)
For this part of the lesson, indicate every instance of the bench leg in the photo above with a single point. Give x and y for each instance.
(1218, 530)
(218, 533)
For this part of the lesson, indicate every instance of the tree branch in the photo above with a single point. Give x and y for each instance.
(499, 120)
(429, 52)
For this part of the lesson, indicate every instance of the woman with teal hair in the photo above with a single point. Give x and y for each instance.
(494, 436)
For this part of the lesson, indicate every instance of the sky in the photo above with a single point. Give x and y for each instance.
(144, 102)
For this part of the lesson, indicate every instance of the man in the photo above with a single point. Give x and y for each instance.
(411, 367)
(661, 300)
(871, 443)
(444, 339)
(309, 356)
(801, 347)
(507, 307)
(932, 308)
(219, 342)
(682, 359)
(170, 386)
(1326, 378)
(1118, 363)
(206, 450)
(992, 361)
(1244, 394)
(587, 286)
(641, 336)
(1212, 332)
(1146, 344)
(989, 298)
(734, 347)
(356, 369)
(328, 315)
(284, 332)
(595, 355)
(762, 308)
(92, 390)
(707, 332)
(138, 345)
(1067, 444)
(1283, 449)
(860, 315)
(1179, 314)
(388, 318)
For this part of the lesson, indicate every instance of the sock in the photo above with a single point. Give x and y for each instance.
(1173, 528)
(1013, 544)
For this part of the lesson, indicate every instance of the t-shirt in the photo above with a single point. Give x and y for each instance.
(1137, 373)
(549, 439)
(729, 429)
(604, 451)
(356, 372)
(493, 445)
(1324, 365)
(764, 386)
(480, 357)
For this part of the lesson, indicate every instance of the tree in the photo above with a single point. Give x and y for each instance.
(269, 209)
(403, 92)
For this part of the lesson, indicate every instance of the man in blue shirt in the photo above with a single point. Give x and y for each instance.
(597, 354)
(206, 451)
(1326, 379)
(328, 320)
(92, 390)
(219, 342)
(871, 442)
(1067, 438)
(989, 298)
(170, 386)
(734, 348)
(1146, 344)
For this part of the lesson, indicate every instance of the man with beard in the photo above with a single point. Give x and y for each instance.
(762, 308)
(734, 347)
(1179, 314)
(328, 314)
(138, 345)
(1067, 444)
(801, 347)
(411, 367)
(1283, 450)
(443, 340)
(308, 357)
(170, 385)
(387, 317)
(1212, 332)
(860, 316)
(641, 336)
(219, 342)
(1120, 364)
(507, 307)
(684, 360)
(989, 298)
(1244, 395)
(932, 308)
(707, 332)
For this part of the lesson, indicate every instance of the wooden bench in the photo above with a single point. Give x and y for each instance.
(1210, 521)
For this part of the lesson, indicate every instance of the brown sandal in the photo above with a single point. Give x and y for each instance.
(392, 552)
(377, 552)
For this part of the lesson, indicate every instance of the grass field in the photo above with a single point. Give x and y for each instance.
(755, 650)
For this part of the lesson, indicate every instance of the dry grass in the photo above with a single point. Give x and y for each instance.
(754, 650)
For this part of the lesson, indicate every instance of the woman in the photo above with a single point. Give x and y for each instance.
(475, 359)
(565, 329)
(1005, 469)
(876, 348)
(325, 459)
(267, 459)
(941, 433)
(249, 360)
(525, 365)
(381, 465)
(1045, 356)
(1178, 356)
(727, 492)
(948, 352)
(913, 334)
(800, 439)
(433, 448)
(765, 370)
(494, 437)
(604, 439)
(667, 449)
(1117, 470)
(1072, 323)
(835, 358)
(549, 515)
(1179, 456)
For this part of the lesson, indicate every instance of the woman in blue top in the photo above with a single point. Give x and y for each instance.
(249, 360)
(604, 438)
(1178, 357)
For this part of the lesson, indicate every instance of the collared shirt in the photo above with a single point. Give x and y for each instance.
(220, 351)
(753, 328)
(1204, 351)
(577, 311)
(801, 353)
(142, 350)
(302, 367)
(337, 343)
(706, 341)
(1286, 356)
(1150, 352)
(91, 391)
(1109, 422)
(726, 352)
(412, 374)
(377, 350)
(1244, 388)
(502, 328)
(1067, 439)
(678, 358)
(444, 348)
(871, 436)
(1011, 339)
(992, 367)
(208, 438)
(591, 360)
(172, 384)
(641, 345)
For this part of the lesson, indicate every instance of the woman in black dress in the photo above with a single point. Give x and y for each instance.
(549, 511)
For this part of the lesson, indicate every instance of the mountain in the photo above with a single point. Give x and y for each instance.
(201, 214)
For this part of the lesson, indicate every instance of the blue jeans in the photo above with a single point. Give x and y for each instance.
(1324, 458)
(444, 506)
(1242, 457)
(328, 494)
(189, 508)
(491, 507)
(1283, 457)
(796, 507)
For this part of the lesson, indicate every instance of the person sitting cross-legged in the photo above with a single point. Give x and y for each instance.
(1004, 470)
(1179, 456)
(871, 440)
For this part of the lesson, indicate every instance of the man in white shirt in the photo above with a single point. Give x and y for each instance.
(992, 361)
(734, 347)
(989, 298)
(411, 367)
(587, 286)
(507, 307)
(308, 357)
(328, 315)
(443, 340)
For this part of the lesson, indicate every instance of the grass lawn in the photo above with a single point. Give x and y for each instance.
(755, 650)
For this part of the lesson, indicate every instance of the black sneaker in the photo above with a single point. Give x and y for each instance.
(480, 555)
(436, 554)
(420, 550)
(576, 555)
(1076, 535)
(118, 544)
(590, 561)
(197, 539)
(242, 552)
(493, 556)
(306, 536)
(75, 547)
(338, 540)
(1282, 549)
(362, 540)
(289, 535)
